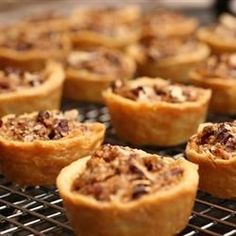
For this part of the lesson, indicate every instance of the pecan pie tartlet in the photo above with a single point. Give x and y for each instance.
(90, 71)
(86, 31)
(219, 75)
(35, 147)
(168, 23)
(23, 90)
(119, 191)
(169, 58)
(151, 111)
(221, 37)
(32, 46)
(213, 148)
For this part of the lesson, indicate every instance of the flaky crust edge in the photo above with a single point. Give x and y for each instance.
(165, 212)
(217, 176)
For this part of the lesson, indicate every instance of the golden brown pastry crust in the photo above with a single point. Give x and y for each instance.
(86, 86)
(39, 162)
(223, 98)
(175, 68)
(45, 96)
(159, 123)
(162, 213)
(33, 58)
(217, 176)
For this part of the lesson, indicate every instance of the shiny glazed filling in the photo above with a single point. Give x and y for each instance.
(43, 125)
(218, 139)
(160, 48)
(153, 92)
(98, 61)
(223, 66)
(125, 174)
(14, 79)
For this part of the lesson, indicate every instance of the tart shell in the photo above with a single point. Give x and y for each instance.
(45, 96)
(163, 213)
(217, 43)
(175, 68)
(159, 123)
(217, 176)
(39, 162)
(84, 86)
(223, 99)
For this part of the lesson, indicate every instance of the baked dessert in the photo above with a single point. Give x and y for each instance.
(218, 73)
(85, 31)
(168, 23)
(156, 112)
(120, 191)
(23, 90)
(213, 148)
(169, 58)
(124, 14)
(221, 37)
(35, 147)
(27, 46)
(90, 71)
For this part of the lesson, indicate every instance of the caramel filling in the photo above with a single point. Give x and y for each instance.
(164, 91)
(218, 139)
(30, 40)
(44, 125)
(160, 48)
(223, 66)
(125, 174)
(101, 62)
(14, 79)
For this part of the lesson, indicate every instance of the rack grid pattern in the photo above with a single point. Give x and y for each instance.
(39, 210)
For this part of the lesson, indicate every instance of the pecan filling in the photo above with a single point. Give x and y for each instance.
(159, 48)
(97, 61)
(125, 174)
(218, 139)
(14, 79)
(44, 125)
(25, 41)
(154, 92)
(223, 66)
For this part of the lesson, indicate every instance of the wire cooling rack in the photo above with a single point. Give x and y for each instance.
(39, 211)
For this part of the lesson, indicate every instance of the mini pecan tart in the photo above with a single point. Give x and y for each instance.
(221, 37)
(24, 90)
(85, 31)
(169, 58)
(168, 24)
(219, 75)
(124, 14)
(90, 71)
(156, 112)
(119, 191)
(35, 147)
(31, 46)
(213, 148)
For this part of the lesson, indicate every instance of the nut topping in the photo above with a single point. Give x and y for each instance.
(164, 91)
(125, 174)
(44, 125)
(218, 139)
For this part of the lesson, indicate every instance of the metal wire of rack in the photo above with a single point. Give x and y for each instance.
(39, 210)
